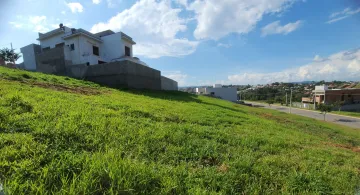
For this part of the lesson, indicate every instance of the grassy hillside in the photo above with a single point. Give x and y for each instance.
(353, 114)
(67, 136)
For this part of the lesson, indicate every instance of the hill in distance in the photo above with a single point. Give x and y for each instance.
(65, 136)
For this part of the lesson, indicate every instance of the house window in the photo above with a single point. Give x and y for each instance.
(72, 47)
(127, 51)
(95, 50)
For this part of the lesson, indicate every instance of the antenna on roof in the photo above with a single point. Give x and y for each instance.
(61, 26)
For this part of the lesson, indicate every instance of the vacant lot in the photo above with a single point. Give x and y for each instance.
(67, 136)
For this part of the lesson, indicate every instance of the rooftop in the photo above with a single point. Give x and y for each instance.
(73, 32)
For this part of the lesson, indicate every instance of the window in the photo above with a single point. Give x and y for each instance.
(127, 51)
(72, 47)
(95, 50)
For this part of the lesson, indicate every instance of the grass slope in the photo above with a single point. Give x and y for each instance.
(345, 113)
(64, 136)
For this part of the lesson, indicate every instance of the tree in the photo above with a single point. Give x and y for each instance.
(270, 102)
(325, 108)
(9, 55)
(339, 104)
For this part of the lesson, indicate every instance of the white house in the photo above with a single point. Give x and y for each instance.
(82, 47)
(217, 90)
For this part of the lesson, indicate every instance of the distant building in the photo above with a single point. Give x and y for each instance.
(79, 46)
(322, 94)
(105, 58)
(217, 90)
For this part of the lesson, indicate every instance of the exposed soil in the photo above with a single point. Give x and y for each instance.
(352, 148)
(79, 90)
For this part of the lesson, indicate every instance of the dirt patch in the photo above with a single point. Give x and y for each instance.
(352, 148)
(275, 118)
(223, 168)
(79, 90)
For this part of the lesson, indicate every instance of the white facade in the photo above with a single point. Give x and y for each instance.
(229, 94)
(217, 85)
(83, 47)
(321, 88)
(200, 90)
(29, 56)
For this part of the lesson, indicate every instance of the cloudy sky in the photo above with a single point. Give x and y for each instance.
(201, 42)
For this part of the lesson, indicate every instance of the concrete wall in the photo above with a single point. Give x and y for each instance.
(225, 93)
(52, 61)
(77, 71)
(168, 84)
(29, 53)
(125, 74)
(55, 39)
(112, 47)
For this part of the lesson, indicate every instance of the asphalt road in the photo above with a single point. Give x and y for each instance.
(338, 119)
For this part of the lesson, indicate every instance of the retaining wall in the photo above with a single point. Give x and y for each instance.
(52, 61)
(124, 74)
(168, 84)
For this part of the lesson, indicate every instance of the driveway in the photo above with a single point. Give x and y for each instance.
(338, 119)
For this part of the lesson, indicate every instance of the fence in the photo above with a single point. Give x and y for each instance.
(302, 105)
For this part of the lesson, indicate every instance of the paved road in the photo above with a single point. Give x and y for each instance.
(343, 120)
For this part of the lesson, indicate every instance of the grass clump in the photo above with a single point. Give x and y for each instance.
(57, 139)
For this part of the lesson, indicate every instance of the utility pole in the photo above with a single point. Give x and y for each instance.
(315, 101)
(12, 54)
(290, 100)
(286, 99)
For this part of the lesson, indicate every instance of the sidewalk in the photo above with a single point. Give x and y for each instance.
(349, 121)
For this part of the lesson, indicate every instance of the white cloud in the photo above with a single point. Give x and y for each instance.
(37, 19)
(182, 2)
(63, 12)
(16, 24)
(34, 23)
(39, 23)
(96, 1)
(154, 25)
(66, 23)
(337, 16)
(216, 19)
(276, 28)
(224, 45)
(113, 3)
(318, 58)
(75, 7)
(344, 65)
(177, 76)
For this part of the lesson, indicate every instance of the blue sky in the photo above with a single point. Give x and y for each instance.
(201, 42)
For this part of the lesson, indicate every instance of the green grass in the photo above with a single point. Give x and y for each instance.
(353, 114)
(64, 136)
